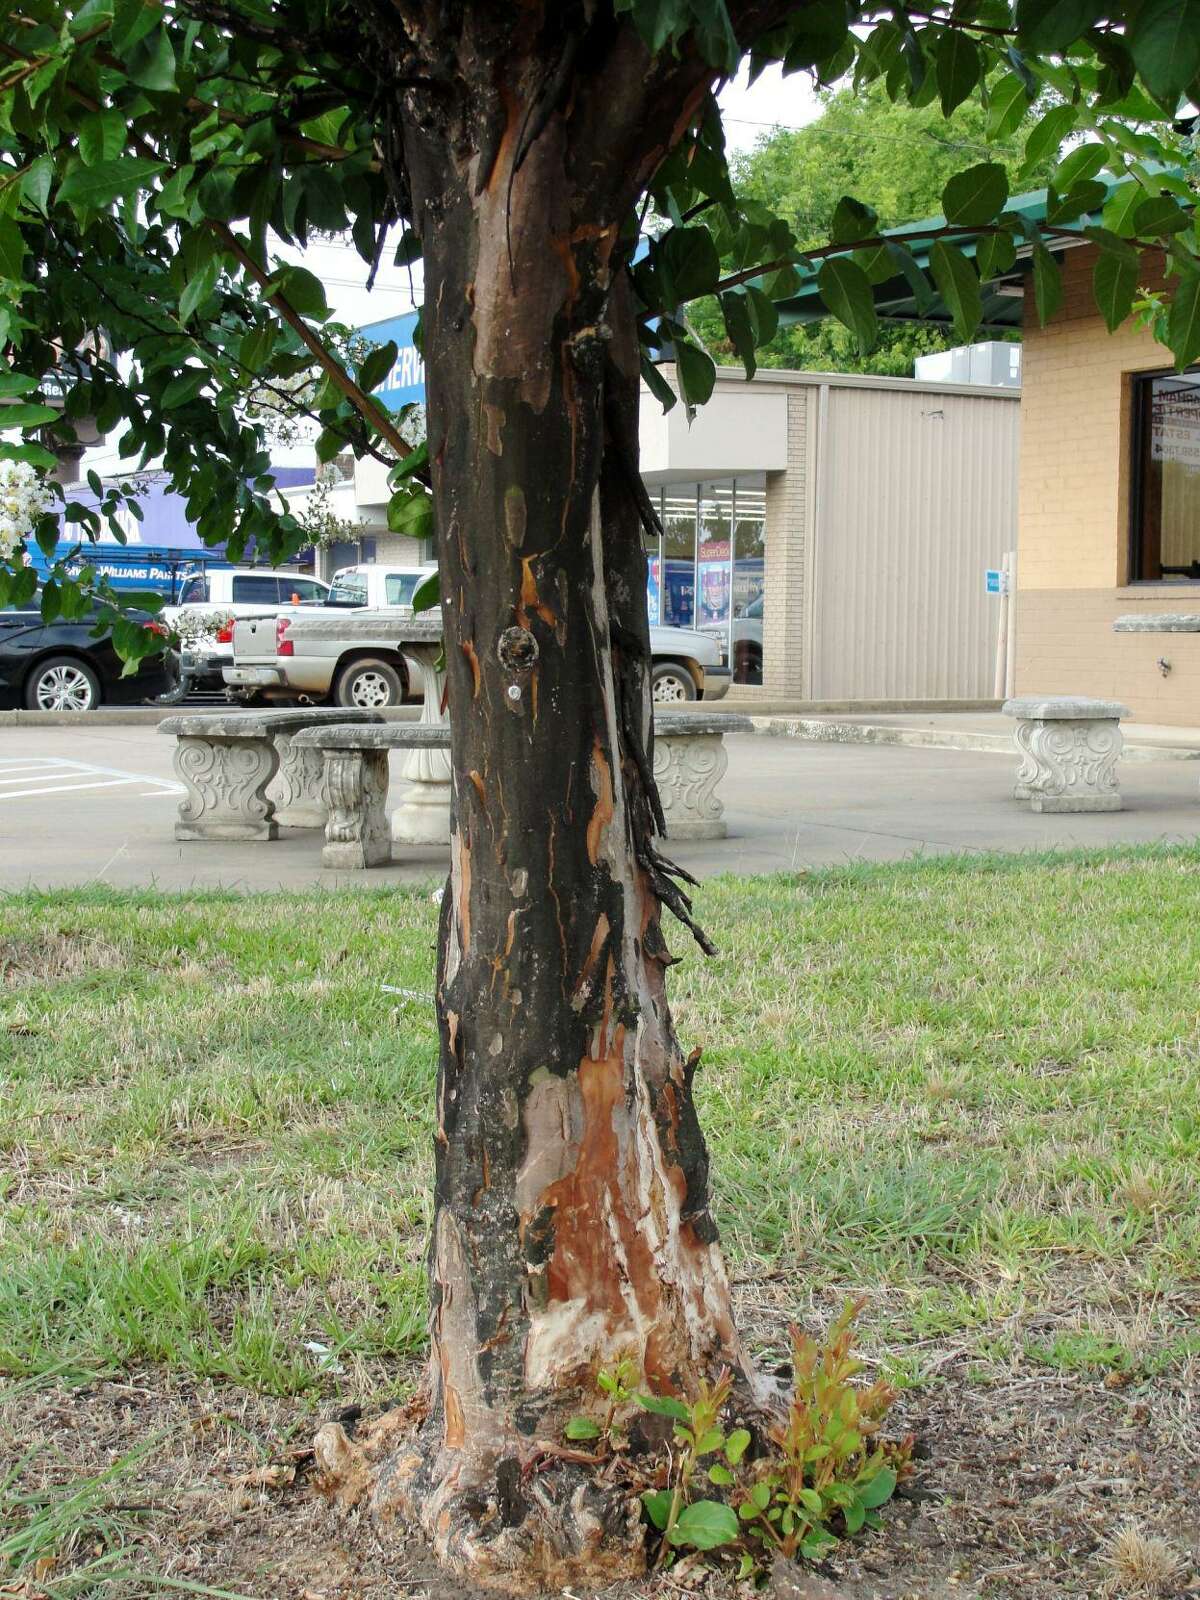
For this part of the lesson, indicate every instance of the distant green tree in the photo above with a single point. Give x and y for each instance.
(862, 144)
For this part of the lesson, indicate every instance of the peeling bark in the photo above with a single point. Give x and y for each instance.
(572, 1224)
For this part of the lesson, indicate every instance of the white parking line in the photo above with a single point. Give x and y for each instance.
(58, 775)
(70, 788)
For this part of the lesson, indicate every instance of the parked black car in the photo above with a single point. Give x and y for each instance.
(61, 666)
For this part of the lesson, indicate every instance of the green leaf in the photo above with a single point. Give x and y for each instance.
(1007, 106)
(583, 1428)
(88, 16)
(375, 366)
(958, 286)
(846, 290)
(691, 263)
(35, 454)
(411, 513)
(880, 1489)
(1165, 40)
(1084, 162)
(736, 1445)
(303, 292)
(1121, 206)
(30, 414)
(91, 188)
(904, 260)
(16, 383)
(995, 253)
(814, 33)
(255, 349)
(1082, 200)
(1158, 214)
(977, 195)
(1047, 135)
(198, 288)
(658, 385)
(35, 185)
(151, 61)
(664, 1405)
(855, 1514)
(185, 386)
(720, 1475)
(657, 1505)
(12, 250)
(696, 372)
(427, 594)
(958, 67)
(705, 1525)
(1053, 25)
(1047, 283)
(102, 137)
(1183, 322)
(852, 221)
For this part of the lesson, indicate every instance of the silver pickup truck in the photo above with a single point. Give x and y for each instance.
(307, 656)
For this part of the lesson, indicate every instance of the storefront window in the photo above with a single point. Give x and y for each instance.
(714, 568)
(679, 555)
(749, 580)
(1166, 499)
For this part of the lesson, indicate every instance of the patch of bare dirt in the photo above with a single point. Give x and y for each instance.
(1026, 1488)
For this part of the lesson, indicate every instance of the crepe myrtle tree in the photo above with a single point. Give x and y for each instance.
(152, 155)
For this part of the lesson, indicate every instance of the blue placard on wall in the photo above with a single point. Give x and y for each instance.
(405, 383)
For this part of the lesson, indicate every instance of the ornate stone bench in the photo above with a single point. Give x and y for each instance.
(1069, 749)
(689, 762)
(244, 773)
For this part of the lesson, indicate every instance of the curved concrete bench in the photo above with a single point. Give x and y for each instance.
(689, 762)
(244, 773)
(1069, 747)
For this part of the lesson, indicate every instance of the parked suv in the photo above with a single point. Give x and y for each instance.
(379, 587)
(210, 600)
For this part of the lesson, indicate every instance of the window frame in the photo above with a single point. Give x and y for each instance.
(1141, 387)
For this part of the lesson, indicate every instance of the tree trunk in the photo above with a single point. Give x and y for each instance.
(572, 1226)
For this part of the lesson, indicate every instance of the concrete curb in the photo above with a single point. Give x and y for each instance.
(820, 730)
(146, 716)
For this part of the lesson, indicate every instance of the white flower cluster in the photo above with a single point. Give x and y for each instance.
(195, 627)
(24, 497)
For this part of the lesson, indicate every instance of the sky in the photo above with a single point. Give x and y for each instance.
(751, 111)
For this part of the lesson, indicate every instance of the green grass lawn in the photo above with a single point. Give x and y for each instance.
(968, 1090)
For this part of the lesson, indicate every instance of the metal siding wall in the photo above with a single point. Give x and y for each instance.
(911, 509)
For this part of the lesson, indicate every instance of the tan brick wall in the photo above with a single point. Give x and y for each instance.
(1076, 411)
(1075, 424)
(787, 558)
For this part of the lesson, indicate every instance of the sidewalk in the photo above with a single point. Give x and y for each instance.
(961, 730)
(97, 804)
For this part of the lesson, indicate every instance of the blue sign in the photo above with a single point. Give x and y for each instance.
(994, 583)
(405, 383)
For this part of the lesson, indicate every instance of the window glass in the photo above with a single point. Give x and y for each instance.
(716, 532)
(349, 590)
(749, 580)
(398, 588)
(254, 589)
(194, 592)
(679, 555)
(1166, 510)
(303, 591)
(652, 544)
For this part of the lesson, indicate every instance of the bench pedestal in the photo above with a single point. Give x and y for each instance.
(1069, 750)
(226, 782)
(356, 832)
(298, 788)
(423, 815)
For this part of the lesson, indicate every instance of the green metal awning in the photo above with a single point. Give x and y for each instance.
(1003, 297)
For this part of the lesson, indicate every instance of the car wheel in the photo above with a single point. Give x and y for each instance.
(671, 684)
(62, 683)
(370, 685)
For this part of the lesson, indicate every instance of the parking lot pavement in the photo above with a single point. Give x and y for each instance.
(92, 804)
